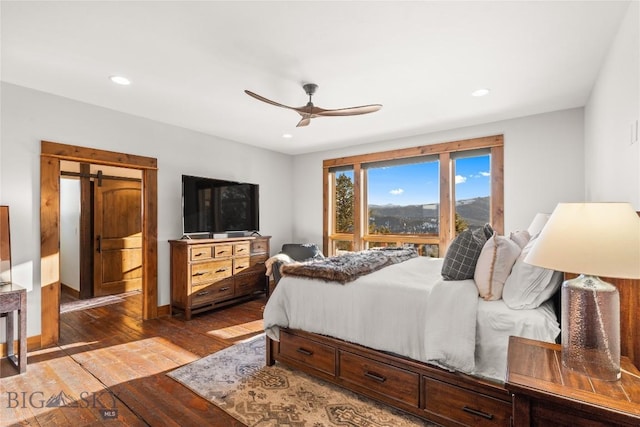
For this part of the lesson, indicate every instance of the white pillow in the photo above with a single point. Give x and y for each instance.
(528, 286)
(538, 223)
(494, 266)
(521, 238)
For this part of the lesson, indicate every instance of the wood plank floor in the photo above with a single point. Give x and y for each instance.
(108, 358)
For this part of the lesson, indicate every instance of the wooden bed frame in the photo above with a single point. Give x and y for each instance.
(431, 393)
(440, 396)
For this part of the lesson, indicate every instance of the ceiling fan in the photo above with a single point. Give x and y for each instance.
(310, 111)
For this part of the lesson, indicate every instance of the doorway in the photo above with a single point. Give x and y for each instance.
(51, 156)
(100, 235)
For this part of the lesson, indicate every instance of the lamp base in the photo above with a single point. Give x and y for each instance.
(591, 327)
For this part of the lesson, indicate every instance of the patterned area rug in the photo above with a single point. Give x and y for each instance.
(237, 380)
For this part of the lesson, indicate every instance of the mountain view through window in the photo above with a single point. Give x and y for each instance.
(404, 199)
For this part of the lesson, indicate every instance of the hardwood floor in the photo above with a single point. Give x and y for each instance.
(108, 358)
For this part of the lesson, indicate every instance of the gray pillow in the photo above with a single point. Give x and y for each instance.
(301, 251)
(488, 231)
(461, 258)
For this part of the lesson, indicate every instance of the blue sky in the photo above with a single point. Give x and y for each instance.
(415, 184)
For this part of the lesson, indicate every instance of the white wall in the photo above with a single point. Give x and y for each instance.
(70, 233)
(543, 165)
(30, 116)
(612, 162)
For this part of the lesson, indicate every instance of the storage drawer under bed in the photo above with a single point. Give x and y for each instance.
(390, 381)
(464, 407)
(312, 353)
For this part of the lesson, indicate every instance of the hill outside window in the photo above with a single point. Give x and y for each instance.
(418, 197)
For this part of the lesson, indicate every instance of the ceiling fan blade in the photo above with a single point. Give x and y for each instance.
(304, 122)
(268, 101)
(351, 111)
(310, 111)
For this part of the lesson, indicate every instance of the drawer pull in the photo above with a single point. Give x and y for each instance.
(221, 270)
(241, 266)
(200, 273)
(226, 288)
(198, 254)
(221, 252)
(202, 293)
(478, 413)
(240, 249)
(375, 377)
(304, 351)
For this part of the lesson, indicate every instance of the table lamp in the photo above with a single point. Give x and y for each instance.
(590, 239)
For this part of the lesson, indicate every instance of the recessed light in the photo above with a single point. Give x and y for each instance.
(120, 80)
(287, 135)
(480, 92)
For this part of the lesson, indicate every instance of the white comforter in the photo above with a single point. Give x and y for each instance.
(405, 308)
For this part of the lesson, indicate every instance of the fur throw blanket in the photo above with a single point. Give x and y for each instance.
(348, 267)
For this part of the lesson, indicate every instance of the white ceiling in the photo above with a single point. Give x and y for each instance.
(189, 62)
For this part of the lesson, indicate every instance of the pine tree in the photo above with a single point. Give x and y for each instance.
(344, 204)
(461, 224)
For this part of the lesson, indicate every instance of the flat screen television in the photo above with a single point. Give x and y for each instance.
(218, 206)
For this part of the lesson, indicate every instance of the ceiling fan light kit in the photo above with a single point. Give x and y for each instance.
(310, 111)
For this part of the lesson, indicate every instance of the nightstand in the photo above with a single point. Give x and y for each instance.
(547, 394)
(13, 298)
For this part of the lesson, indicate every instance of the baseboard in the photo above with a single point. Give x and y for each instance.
(33, 343)
(164, 311)
(69, 290)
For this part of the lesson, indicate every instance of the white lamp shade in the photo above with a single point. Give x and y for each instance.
(599, 239)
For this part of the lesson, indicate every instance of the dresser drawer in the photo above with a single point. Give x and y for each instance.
(210, 271)
(242, 249)
(390, 381)
(200, 253)
(248, 283)
(222, 251)
(319, 356)
(464, 406)
(546, 414)
(259, 246)
(240, 264)
(208, 293)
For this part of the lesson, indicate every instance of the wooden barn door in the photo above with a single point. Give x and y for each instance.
(117, 237)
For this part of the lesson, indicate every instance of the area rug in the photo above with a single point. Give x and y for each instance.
(237, 380)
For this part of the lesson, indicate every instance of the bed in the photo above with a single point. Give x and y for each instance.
(403, 335)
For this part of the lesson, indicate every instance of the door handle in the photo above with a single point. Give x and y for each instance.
(99, 248)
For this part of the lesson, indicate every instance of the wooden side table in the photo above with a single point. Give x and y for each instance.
(14, 298)
(547, 394)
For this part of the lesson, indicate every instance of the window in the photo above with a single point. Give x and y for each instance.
(419, 197)
(344, 202)
(403, 197)
(342, 221)
(472, 171)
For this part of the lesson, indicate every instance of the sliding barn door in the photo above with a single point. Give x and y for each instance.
(117, 237)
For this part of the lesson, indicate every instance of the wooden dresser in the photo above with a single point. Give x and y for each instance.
(212, 273)
(547, 394)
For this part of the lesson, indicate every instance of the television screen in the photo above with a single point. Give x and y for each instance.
(218, 206)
